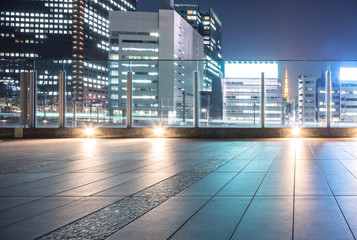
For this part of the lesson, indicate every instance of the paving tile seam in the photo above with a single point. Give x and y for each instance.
(98, 172)
(333, 194)
(40, 179)
(115, 175)
(250, 202)
(54, 195)
(344, 164)
(211, 197)
(55, 162)
(142, 176)
(294, 197)
(130, 208)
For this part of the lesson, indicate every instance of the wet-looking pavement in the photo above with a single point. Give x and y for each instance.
(178, 189)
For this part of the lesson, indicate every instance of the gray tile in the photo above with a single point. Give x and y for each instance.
(258, 166)
(101, 185)
(44, 223)
(207, 186)
(342, 183)
(162, 221)
(307, 166)
(216, 220)
(331, 166)
(349, 209)
(267, 218)
(286, 165)
(277, 184)
(135, 185)
(36, 207)
(9, 202)
(311, 184)
(245, 184)
(233, 166)
(319, 218)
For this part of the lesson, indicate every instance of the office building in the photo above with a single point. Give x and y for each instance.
(307, 92)
(210, 27)
(161, 89)
(242, 94)
(348, 95)
(70, 35)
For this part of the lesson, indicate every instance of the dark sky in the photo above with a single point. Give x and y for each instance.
(283, 30)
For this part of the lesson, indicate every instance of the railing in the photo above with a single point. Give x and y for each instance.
(194, 94)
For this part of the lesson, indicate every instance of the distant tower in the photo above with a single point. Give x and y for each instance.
(286, 87)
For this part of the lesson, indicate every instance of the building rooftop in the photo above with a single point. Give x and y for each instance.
(178, 188)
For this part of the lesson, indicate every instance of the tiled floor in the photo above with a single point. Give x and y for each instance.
(178, 189)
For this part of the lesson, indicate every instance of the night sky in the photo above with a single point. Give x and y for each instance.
(283, 29)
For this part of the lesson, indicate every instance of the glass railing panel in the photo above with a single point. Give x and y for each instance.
(235, 96)
(211, 94)
(10, 91)
(163, 93)
(92, 94)
(147, 107)
(343, 93)
(296, 95)
(47, 82)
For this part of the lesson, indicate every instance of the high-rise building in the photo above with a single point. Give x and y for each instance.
(242, 93)
(307, 111)
(286, 86)
(348, 95)
(155, 47)
(70, 35)
(210, 27)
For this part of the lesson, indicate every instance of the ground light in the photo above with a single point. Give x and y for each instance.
(159, 131)
(295, 131)
(89, 132)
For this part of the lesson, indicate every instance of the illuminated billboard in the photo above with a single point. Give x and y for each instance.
(348, 74)
(251, 69)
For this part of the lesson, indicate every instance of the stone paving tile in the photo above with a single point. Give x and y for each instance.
(267, 218)
(311, 184)
(162, 221)
(216, 220)
(245, 184)
(39, 225)
(9, 202)
(349, 208)
(33, 208)
(64, 186)
(13, 179)
(319, 218)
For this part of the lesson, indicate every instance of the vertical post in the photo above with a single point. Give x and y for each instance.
(208, 109)
(129, 98)
(262, 101)
(23, 98)
(32, 100)
(161, 110)
(184, 107)
(254, 113)
(328, 105)
(62, 100)
(74, 121)
(196, 114)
